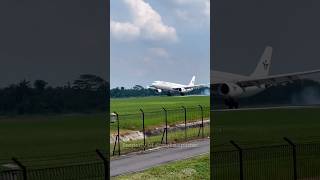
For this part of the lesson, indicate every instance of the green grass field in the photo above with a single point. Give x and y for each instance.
(130, 115)
(25, 136)
(46, 135)
(194, 168)
(259, 128)
(265, 127)
(155, 103)
(131, 119)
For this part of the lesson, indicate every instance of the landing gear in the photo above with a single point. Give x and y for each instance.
(169, 94)
(182, 94)
(231, 103)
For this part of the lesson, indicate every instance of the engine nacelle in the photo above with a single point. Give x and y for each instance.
(229, 90)
(159, 90)
(182, 90)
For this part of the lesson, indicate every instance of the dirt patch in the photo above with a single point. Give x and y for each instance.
(128, 135)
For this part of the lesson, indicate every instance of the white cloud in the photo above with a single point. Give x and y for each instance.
(124, 30)
(146, 23)
(193, 10)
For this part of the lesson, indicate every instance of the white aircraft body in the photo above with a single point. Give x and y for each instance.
(233, 86)
(174, 87)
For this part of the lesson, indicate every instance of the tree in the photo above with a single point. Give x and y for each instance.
(40, 85)
(24, 84)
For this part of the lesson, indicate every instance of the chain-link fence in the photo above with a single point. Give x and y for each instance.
(147, 130)
(283, 162)
(87, 165)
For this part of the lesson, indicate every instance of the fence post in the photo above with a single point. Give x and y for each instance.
(144, 132)
(105, 163)
(294, 154)
(202, 125)
(24, 168)
(240, 158)
(166, 119)
(118, 136)
(185, 122)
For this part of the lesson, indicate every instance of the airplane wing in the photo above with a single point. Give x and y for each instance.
(197, 86)
(178, 88)
(274, 80)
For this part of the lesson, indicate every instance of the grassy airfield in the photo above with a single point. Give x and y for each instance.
(155, 103)
(39, 135)
(194, 168)
(130, 118)
(30, 135)
(130, 115)
(265, 127)
(252, 128)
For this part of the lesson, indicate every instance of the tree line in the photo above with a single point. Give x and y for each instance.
(140, 91)
(85, 94)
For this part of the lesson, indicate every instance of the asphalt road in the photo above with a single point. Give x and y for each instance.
(142, 161)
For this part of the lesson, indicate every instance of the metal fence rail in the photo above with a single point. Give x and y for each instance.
(284, 162)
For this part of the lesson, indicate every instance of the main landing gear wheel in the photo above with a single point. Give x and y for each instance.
(231, 103)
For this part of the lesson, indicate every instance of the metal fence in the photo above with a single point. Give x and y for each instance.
(285, 162)
(87, 165)
(158, 128)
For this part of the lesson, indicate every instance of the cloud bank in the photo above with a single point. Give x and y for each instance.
(146, 23)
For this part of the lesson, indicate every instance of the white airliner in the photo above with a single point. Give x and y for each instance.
(174, 87)
(233, 86)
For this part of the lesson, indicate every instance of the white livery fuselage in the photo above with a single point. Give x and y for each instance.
(168, 86)
(175, 87)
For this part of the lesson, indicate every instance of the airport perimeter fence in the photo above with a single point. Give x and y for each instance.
(78, 166)
(283, 162)
(146, 130)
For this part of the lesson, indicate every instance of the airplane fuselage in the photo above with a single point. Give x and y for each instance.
(168, 86)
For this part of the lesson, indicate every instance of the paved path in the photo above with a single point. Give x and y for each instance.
(142, 161)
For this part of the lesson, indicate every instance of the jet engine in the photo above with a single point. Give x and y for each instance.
(159, 90)
(229, 90)
(182, 90)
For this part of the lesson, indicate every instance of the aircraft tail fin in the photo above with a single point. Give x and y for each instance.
(192, 81)
(263, 66)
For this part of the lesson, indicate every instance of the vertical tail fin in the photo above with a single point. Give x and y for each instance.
(192, 81)
(263, 66)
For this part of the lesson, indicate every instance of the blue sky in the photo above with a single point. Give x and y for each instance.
(159, 40)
